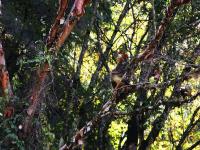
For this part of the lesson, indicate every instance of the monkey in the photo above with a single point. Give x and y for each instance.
(117, 79)
(120, 79)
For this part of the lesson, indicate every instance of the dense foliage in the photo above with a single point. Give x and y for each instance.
(163, 112)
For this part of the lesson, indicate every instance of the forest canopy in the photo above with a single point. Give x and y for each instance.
(99, 74)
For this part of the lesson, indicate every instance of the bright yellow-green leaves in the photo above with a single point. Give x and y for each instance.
(116, 131)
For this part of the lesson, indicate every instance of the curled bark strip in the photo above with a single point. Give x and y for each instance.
(54, 29)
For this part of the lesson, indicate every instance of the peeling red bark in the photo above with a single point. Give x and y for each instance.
(43, 71)
(75, 15)
(66, 32)
(42, 75)
(4, 81)
(4, 75)
(5, 84)
(55, 27)
(149, 50)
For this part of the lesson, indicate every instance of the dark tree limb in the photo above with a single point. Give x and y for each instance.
(189, 128)
(133, 133)
(194, 145)
(177, 103)
(107, 111)
(157, 126)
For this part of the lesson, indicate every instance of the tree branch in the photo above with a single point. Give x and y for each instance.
(157, 125)
(73, 17)
(194, 145)
(43, 71)
(188, 129)
(55, 27)
(149, 50)
(5, 85)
